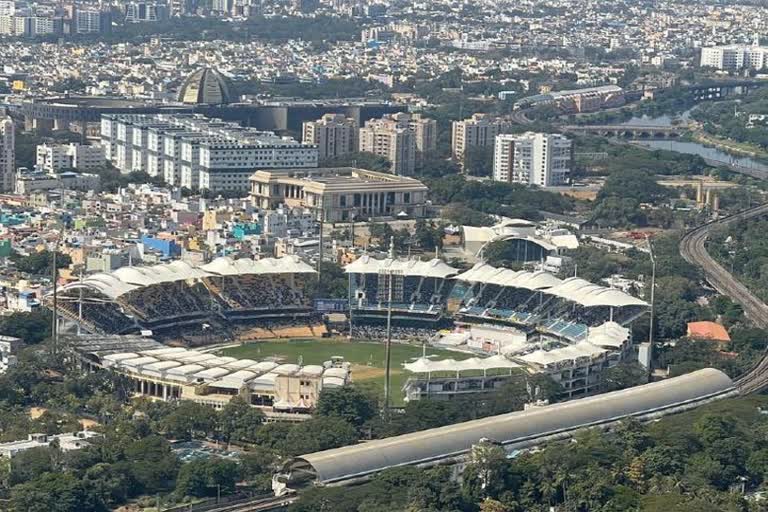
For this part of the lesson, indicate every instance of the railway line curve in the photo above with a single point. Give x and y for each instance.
(693, 249)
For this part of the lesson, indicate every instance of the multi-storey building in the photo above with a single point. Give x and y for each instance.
(530, 158)
(735, 57)
(478, 130)
(333, 134)
(92, 21)
(340, 193)
(196, 152)
(399, 138)
(7, 154)
(55, 157)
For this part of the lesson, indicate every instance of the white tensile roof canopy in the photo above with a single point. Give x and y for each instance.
(484, 273)
(128, 279)
(409, 267)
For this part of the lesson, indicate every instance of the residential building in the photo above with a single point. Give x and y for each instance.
(7, 7)
(143, 12)
(193, 151)
(393, 138)
(333, 134)
(530, 158)
(340, 192)
(92, 21)
(55, 157)
(7, 154)
(478, 130)
(734, 57)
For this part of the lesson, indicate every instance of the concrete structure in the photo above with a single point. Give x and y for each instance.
(55, 157)
(333, 134)
(7, 154)
(30, 181)
(392, 138)
(281, 391)
(205, 86)
(589, 99)
(478, 130)
(530, 158)
(734, 57)
(197, 152)
(66, 442)
(92, 21)
(340, 192)
(514, 431)
(9, 347)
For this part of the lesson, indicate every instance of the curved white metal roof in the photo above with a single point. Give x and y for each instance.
(588, 294)
(484, 273)
(364, 459)
(409, 267)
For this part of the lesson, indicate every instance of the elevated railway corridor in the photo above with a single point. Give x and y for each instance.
(692, 248)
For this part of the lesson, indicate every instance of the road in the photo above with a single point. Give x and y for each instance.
(692, 248)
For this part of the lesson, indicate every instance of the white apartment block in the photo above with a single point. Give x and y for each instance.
(734, 57)
(7, 154)
(190, 150)
(55, 157)
(7, 7)
(532, 159)
(399, 138)
(333, 134)
(478, 130)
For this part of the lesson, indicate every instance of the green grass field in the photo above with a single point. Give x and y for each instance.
(367, 358)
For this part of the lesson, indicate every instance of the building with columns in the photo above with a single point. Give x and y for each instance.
(341, 193)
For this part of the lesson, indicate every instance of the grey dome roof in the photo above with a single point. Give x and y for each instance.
(206, 86)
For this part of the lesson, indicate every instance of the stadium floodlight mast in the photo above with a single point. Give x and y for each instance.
(390, 272)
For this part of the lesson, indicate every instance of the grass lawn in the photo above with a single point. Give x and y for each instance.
(367, 358)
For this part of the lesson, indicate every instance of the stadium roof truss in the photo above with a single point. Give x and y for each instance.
(127, 279)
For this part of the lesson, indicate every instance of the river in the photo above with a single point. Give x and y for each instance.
(712, 155)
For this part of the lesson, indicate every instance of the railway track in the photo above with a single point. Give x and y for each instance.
(693, 250)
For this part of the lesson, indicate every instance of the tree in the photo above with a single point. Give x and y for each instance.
(238, 421)
(624, 375)
(206, 477)
(633, 184)
(485, 476)
(53, 492)
(31, 463)
(40, 263)
(478, 160)
(32, 327)
(151, 464)
(349, 403)
(188, 420)
(428, 236)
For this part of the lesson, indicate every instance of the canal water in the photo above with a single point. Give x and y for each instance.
(711, 154)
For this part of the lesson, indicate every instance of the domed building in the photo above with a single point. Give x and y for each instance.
(205, 86)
